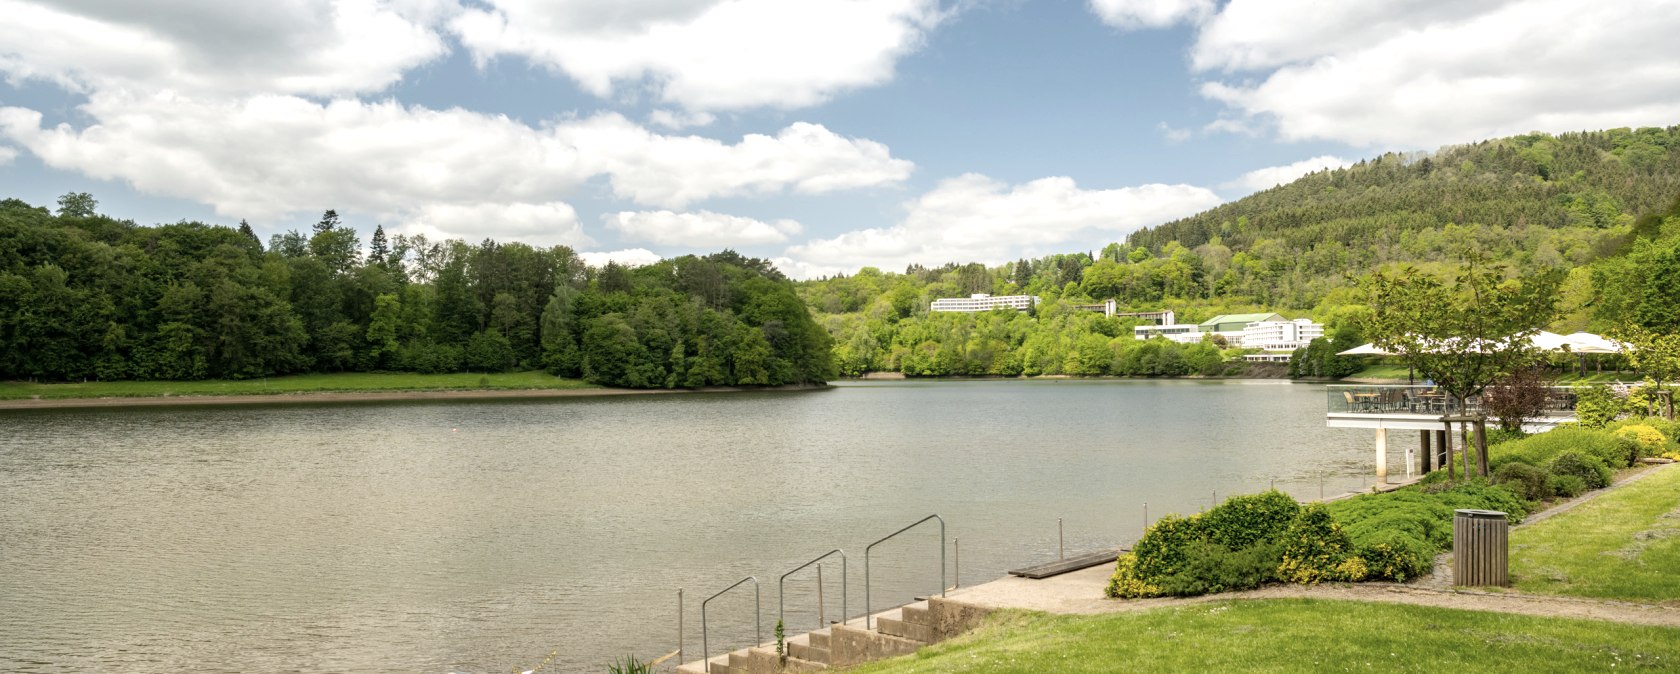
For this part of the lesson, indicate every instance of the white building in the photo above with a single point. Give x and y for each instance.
(984, 302)
(1280, 335)
(1186, 333)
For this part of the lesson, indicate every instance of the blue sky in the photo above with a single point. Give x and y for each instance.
(825, 134)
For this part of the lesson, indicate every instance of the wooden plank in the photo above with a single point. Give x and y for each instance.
(1070, 564)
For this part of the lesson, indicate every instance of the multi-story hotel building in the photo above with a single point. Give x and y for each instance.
(984, 302)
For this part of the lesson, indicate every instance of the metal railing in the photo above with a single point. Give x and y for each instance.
(758, 622)
(867, 610)
(781, 605)
(1410, 399)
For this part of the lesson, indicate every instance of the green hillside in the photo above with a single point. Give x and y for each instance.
(1579, 201)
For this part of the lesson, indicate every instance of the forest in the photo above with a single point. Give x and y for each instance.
(88, 297)
(1601, 205)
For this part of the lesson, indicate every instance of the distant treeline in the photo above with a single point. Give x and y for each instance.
(84, 296)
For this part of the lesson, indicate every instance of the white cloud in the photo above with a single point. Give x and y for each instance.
(1420, 73)
(1173, 134)
(541, 224)
(1128, 14)
(714, 55)
(974, 218)
(630, 257)
(1271, 176)
(281, 46)
(266, 156)
(698, 230)
(7, 154)
(677, 119)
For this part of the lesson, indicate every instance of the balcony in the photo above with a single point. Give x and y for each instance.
(1420, 407)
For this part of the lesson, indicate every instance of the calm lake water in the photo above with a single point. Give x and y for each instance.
(481, 536)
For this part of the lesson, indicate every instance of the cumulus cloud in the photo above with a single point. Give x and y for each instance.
(1272, 176)
(265, 156)
(976, 218)
(630, 257)
(698, 230)
(279, 46)
(7, 154)
(1150, 13)
(707, 56)
(1420, 74)
(541, 224)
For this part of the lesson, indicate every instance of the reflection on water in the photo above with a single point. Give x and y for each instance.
(480, 536)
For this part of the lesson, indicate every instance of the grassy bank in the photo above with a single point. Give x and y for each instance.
(1294, 636)
(307, 383)
(1623, 545)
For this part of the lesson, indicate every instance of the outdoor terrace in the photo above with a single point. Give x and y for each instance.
(1420, 407)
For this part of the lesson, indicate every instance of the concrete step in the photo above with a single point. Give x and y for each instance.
(904, 630)
(819, 638)
(720, 665)
(807, 652)
(917, 614)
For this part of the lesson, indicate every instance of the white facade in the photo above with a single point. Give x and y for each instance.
(1281, 335)
(984, 302)
(1187, 333)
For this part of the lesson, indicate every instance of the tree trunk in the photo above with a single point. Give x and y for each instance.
(1447, 445)
(1481, 447)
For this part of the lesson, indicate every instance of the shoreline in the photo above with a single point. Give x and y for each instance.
(372, 396)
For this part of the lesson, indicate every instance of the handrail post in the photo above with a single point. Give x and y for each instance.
(758, 620)
(781, 592)
(867, 605)
(1061, 541)
(679, 626)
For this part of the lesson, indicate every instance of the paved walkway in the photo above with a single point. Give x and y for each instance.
(1081, 592)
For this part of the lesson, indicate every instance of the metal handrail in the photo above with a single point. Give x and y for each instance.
(867, 611)
(758, 622)
(781, 604)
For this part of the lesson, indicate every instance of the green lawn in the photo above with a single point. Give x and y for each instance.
(1294, 636)
(1624, 544)
(305, 383)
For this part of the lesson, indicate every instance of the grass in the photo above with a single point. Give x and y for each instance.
(303, 383)
(1294, 635)
(1625, 545)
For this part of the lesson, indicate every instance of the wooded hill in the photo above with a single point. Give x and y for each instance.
(85, 296)
(1579, 201)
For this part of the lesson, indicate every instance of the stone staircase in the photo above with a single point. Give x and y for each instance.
(896, 632)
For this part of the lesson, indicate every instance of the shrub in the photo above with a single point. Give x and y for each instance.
(1647, 440)
(1165, 547)
(1315, 549)
(1590, 469)
(1527, 481)
(1566, 486)
(1596, 406)
(1397, 555)
(1243, 521)
(1518, 397)
(1212, 567)
(1540, 449)
(1125, 583)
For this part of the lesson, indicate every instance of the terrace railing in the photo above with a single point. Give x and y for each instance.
(1422, 400)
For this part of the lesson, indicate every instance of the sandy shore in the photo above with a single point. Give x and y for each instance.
(369, 396)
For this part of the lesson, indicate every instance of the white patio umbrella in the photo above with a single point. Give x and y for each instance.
(1367, 349)
(1586, 342)
(1549, 341)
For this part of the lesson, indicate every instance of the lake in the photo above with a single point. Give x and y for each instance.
(482, 536)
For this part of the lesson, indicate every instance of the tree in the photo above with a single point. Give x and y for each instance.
(77, 205)
(1518, 397)
(246, 231)
(1655, 354)
(328, 222)
(1466, 335)
(379, 251)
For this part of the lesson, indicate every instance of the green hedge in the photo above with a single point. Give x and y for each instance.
(1398, 533)
(1236, 545)
(1539, 450)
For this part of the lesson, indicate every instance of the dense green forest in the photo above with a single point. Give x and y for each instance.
(85, 296)
(1592, 203)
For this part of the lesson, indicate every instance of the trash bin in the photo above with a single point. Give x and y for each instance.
(1480, 548)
